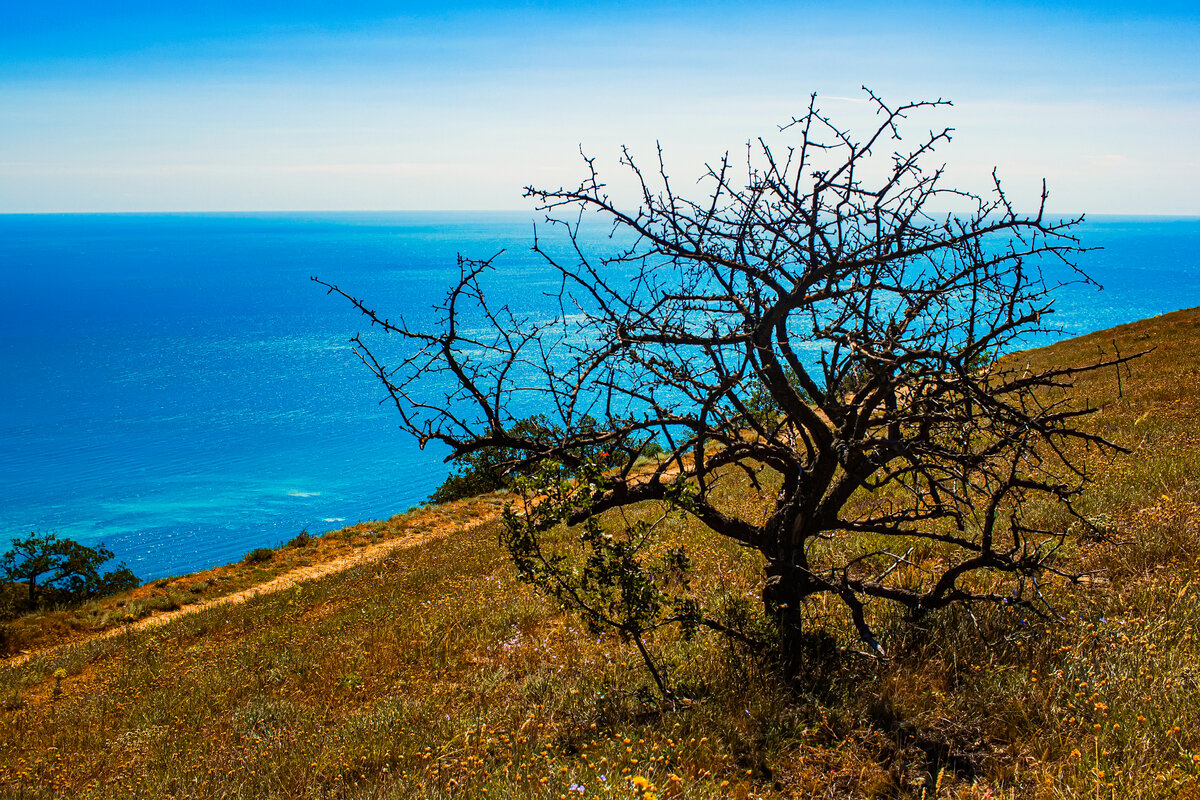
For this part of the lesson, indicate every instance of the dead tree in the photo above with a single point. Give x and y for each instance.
(815, 318)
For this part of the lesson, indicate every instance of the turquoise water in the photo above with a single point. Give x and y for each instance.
(175, 386)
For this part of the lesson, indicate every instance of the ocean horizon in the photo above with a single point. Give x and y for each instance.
(177, 388)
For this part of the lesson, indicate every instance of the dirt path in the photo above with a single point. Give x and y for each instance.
(369, 553)
(476, 513)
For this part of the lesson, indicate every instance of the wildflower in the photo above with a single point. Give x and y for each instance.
(641, 782)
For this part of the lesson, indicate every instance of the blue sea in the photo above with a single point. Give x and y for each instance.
(176, 387)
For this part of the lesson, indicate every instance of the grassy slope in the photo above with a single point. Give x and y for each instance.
(437, 675)
(39, 630)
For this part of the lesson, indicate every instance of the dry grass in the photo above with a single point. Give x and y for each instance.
(434, 674)
(302, 558)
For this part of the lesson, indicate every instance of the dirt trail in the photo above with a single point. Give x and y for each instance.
(287, 580)
(479, 514)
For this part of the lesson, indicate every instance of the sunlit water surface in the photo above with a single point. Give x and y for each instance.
(175, 386)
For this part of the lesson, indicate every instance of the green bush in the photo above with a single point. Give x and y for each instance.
(492, 469)
(489, 469)
(258, 555)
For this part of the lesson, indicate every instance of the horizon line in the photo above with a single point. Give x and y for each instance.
(252, 212)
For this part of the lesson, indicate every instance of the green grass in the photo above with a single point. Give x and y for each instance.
(435, 674)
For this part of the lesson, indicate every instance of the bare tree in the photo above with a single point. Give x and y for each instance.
(814, 320)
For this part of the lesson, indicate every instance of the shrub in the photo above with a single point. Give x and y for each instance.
(258, 555)
(492, 468)
(302, 539)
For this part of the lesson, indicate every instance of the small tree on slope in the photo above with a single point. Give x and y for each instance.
(62, 569)
(813, 318)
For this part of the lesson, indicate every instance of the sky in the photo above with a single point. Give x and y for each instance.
(305, 105)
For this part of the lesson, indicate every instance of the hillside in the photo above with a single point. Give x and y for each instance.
(431, 672)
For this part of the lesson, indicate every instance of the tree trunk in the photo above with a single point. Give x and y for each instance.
(783, 596)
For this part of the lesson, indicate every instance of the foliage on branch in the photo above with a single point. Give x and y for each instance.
(56, 570)
(625, 582)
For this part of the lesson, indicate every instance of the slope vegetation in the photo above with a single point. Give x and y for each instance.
(430, 672)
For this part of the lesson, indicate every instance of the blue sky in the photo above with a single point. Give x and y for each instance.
(153, 106)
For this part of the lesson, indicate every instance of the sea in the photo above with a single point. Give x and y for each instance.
(176, 387)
